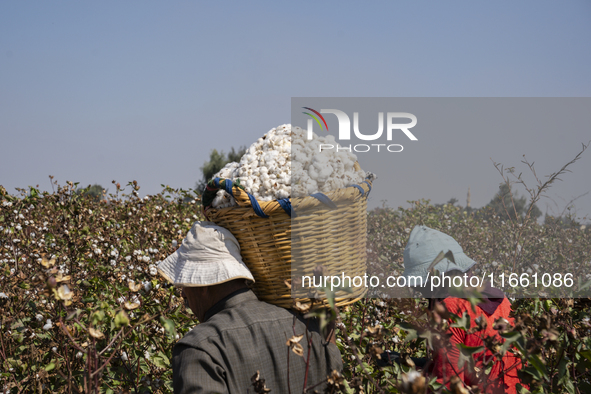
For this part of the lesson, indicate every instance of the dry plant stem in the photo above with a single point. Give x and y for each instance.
(569, 204)
(111, 343)
(456, 373)
(535, 195)
(69, 366)
(3, 350)
(288, 351)
(315, 385)
(360, 362)
(288, 385)
(93, 371)
(70, 337)
(69, 380)
(106, 362)
(309, 339)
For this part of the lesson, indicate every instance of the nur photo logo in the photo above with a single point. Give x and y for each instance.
(393, 126)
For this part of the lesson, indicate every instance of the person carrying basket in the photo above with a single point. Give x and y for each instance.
(240, 342)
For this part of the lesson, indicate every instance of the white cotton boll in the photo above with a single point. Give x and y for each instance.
(324, 172)
(331, 184)
(297, 167)
(282, 193)
(219, 198)
(48, 325)
(312, 172)
(312, 187)
(284, 163)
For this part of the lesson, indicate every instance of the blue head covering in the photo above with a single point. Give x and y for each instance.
(423, 247)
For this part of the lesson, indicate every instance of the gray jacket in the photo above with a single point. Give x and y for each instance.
(242, 335)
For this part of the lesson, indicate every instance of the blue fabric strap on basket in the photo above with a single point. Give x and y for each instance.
(368, 185)
(228, 186)
(286, 205)
(256, 207)
(323, 198)
(358, 188)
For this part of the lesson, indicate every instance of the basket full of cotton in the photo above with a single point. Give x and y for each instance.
(296, 210)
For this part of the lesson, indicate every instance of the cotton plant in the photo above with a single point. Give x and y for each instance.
(284, 163)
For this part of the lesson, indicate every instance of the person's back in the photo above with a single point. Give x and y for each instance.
(242, 335)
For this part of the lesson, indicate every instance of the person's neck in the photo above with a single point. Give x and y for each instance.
(220, 293)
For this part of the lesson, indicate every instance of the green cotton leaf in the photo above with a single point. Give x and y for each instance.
(538, 364)
(410, 329)
(50, 366)
(585, 285)
(586, 353)
(329, 297)
(161, 361)
(521, 389)
(97, 317)
(161, 354)
(568, 385)
(144, 367)
(448, 255)
(168, 326)
(74, 314)
(434, 384)
(533, 372)
(513, 337)
(466, 359)
(121, 319)
(348, 390)
(564, 376)
(462, 322)
(562, 370)
(469, 350)
(510, 336)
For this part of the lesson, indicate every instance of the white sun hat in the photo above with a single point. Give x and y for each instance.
(209, 255)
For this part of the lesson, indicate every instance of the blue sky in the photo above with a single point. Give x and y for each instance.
(96, 91)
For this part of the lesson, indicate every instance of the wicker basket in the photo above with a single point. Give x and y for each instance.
(331, 233)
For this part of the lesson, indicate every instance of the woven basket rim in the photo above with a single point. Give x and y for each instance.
(306, 202)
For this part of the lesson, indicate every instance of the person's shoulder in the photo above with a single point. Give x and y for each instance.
(256, 310)
(246, 314)
(202, 332)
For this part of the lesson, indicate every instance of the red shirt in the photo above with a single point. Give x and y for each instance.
(503, 375)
